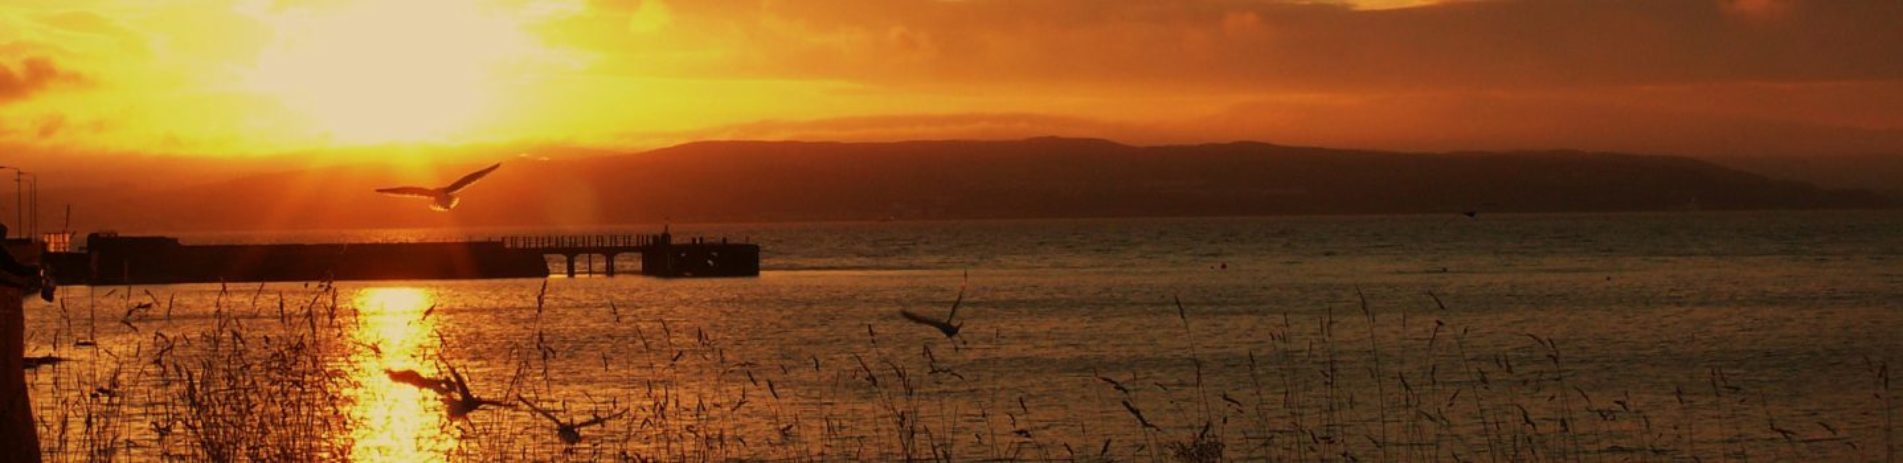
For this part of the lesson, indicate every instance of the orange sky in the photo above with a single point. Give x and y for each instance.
(219, 78)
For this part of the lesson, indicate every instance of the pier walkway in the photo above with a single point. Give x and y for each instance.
(110, 259)
(660, 255)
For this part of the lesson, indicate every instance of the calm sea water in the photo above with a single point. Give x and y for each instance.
(1792, 309)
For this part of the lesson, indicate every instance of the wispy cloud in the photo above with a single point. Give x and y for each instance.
(29, 77)
(1397, 74)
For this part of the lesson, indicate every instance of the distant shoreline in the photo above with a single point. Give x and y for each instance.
(206, 236)
(779, 182)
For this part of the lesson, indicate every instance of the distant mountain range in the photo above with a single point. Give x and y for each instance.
(1034, 178)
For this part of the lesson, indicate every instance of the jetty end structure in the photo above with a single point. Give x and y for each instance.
(660, 256)
(112, 259)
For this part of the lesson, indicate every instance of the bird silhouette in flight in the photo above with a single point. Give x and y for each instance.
(459, 402)
(1473, 212)
(569, 431)
(441, 199)
(949, 326)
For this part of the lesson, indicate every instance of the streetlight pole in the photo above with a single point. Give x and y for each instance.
(17, 200)
(21, 202)
(33, 206)
(18, 437)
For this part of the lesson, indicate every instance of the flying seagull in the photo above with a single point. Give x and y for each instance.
(441, 199)
(946, 326)
(569, 431)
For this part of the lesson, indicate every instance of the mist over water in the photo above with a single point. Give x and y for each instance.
(1787, 305)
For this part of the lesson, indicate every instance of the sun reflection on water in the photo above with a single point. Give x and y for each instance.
(395, 422)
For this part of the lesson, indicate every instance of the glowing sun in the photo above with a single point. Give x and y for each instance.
(371, 71)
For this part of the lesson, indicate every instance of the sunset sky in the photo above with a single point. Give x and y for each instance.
(221, 78)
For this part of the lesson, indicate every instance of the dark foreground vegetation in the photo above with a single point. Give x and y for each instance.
(276, 377)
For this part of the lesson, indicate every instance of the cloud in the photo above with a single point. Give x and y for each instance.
(50, 126)
(1786, 76)
(1671, 76)
(31, 76)
(1715, 120)
(93, 25)
(649, 17)
(1758, 8)
(1257, 44)
(899, 127)
(1702, 119)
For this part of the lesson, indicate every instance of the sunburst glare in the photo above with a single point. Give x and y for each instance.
(396, 422)
(361, 72)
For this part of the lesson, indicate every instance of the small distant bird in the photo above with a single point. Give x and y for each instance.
(947, 326)
(460, 402)
(441, 199)
(1473, 212)
(569, 431)
(44, 360)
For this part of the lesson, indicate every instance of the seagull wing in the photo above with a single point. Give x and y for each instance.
(955, 303)
(462, 385)
(471, 178)
(410, 377)
(410, 191)
(600, 419)
(539, 410)
(920, 319)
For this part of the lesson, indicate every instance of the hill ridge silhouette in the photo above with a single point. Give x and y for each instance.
(1044, 177)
